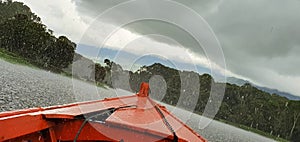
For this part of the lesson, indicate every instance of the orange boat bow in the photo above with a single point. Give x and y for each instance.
(125, 119)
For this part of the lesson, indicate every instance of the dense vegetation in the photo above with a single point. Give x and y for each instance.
(23, 35)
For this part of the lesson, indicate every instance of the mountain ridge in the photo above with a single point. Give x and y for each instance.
(240, 82)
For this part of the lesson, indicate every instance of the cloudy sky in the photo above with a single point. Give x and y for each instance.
(260, 39)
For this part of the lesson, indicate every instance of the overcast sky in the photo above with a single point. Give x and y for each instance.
(260, 38)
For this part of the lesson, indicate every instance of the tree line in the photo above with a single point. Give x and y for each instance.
(22, 33)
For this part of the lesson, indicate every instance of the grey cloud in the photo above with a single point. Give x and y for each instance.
(96, 8)
(265, 33)
(261, 28)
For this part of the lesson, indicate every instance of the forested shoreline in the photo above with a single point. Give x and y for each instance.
(22, 33)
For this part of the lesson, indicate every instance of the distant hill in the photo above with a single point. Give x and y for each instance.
(280, 93)
(237, 81)
(240, 82)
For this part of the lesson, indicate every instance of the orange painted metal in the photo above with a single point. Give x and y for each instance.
(144, 90)
(20, 125)
(131, 118)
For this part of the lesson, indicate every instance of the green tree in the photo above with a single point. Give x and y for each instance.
(61, 53)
